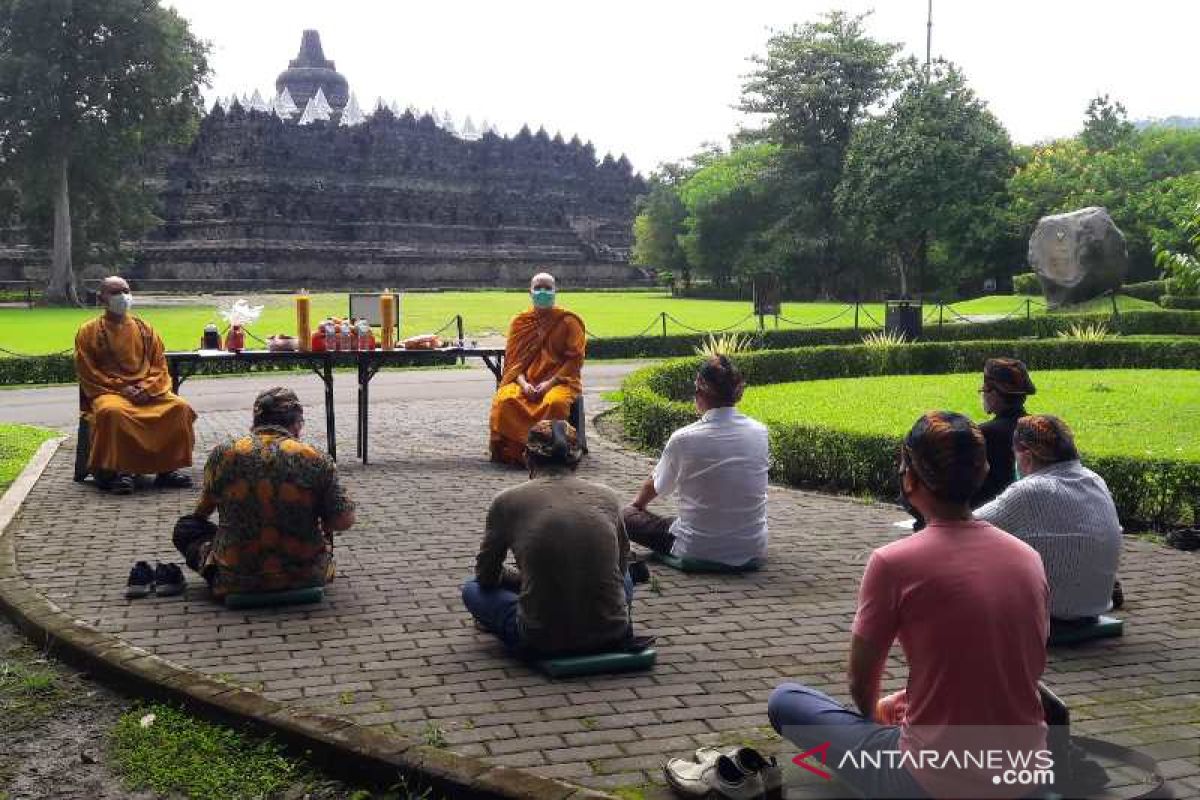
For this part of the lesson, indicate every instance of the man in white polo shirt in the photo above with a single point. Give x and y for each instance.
(718, 467)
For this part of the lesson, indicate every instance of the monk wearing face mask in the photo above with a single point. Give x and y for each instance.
(138, 425)
(543, 359)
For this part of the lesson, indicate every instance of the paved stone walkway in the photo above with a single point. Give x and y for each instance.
(392, 646)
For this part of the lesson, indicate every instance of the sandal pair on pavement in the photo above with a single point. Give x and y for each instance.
(164, 580)
(734, 773)
(122, 483)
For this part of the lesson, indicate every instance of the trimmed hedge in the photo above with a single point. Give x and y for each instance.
(1156, 492)
(1027, 283)
(1146, 290)
(1180, 302)
(61, 368)
(1180, 323)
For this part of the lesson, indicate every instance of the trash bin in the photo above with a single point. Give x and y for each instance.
(903, 317)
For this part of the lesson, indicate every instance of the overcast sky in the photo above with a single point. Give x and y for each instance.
(656, 78)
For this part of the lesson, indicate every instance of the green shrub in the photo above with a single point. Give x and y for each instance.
(1027, 283)
(1156, 492)
(1129, 323)
(1180, 302)
(1146, 290)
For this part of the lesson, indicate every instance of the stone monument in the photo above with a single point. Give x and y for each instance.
(1078, 255)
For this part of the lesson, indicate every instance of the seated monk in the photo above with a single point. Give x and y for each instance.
(138, 424)
(279, 501)
(542, 363)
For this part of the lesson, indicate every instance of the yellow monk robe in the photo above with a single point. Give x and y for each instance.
(540, 346)
(127, 437)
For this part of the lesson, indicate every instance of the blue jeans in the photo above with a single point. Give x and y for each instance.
(496, 609)
(809, 718)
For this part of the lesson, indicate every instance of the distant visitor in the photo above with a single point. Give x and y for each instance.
(543, 360)
(280, 504)
(138, 426)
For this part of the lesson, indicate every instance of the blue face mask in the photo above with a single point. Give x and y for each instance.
(542, 298)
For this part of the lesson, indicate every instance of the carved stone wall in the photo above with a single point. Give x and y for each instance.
(396, 199)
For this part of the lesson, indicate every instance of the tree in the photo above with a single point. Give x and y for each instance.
(87, 87)
(660, 223)
(815, 83)
(931, 169)
(1106, 125)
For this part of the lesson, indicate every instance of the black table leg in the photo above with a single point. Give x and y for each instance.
(330, 423)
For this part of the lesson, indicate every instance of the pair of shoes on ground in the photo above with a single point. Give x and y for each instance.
(165, 580)
(736, 773)
(122, 483)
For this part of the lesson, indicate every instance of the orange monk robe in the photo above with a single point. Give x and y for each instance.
(126, 437)
(540, 346)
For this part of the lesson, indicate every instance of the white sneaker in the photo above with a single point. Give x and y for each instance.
(717, 777)
(750, 761)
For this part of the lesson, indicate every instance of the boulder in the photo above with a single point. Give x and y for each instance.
(1078, 255)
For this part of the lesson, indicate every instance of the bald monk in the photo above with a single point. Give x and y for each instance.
(138, 425)
(542, 362)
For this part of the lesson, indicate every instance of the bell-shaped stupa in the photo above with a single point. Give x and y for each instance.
(310, 71)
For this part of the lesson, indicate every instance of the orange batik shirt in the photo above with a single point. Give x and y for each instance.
(272, 492)
(541, 345)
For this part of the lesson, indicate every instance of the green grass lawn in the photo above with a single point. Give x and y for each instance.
(18, 443)
(1121, 411)
(48, 330)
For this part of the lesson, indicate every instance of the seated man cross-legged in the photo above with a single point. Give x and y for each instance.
(570, 594)
(1064, 511)
(718, 466)
(280, 503)
(138, 426)
(969, 605)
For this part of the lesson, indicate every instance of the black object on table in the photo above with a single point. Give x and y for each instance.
(370, 362)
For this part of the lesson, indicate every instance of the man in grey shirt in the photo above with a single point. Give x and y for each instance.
(570, 593)
(1064, 511)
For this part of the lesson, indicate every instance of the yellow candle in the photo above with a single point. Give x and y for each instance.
(387, 317)
(303, 323)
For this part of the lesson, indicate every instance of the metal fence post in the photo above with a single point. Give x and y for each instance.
(663, 314)
(459, 320)
(856, 316)
(941, 308)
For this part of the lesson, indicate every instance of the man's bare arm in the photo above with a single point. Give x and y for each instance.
(867, 661)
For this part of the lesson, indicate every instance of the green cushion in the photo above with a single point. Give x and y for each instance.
(596, 663)
(685, 564)
(290, 597)
(1071, 633)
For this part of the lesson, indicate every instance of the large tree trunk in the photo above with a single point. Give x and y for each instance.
(61, 290)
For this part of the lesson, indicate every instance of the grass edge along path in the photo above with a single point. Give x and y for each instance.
(18, 443)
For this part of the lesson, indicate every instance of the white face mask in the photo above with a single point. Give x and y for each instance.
(120, 304)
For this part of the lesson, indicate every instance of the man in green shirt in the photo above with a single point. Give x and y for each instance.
(570, 593)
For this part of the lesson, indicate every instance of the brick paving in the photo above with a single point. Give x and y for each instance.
(392, 647)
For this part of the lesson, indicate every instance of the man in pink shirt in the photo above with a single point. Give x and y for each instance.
(970, 606)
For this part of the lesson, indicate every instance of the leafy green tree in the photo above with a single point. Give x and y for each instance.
(813, 85)
(931, 170)
(87, 89)
(727, 201)
(1106, 125)
(659, 224)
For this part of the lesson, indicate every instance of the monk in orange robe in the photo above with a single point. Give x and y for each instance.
(138, 425)
(542, 362)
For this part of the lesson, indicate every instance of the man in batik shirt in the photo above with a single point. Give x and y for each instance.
(279, 501)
